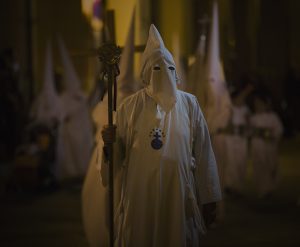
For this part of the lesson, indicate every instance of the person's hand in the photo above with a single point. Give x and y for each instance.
(209, 213)
(109, 134)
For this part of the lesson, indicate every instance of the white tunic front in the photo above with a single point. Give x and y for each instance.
(264, 151)
(168, 169)
(237, 150)
(75, 144)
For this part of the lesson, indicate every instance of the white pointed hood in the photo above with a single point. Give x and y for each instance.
(71, 79)
(218, 105)
(158, 71)
(126, 81)
(215, 73)
(47, 106)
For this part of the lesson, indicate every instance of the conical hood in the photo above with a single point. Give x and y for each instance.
(214, 68)
(155, 49)
(218, 105)
(159, 71)
(71, 79)
(47, 104)
(126, 77)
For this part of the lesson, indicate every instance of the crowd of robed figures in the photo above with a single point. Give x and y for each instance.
(235, 133)
(223, 133)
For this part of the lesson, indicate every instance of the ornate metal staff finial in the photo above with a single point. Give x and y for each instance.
(109, 54)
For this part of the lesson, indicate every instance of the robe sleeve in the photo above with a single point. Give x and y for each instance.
(206, 173)
(118, 152)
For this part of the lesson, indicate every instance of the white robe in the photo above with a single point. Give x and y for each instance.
(76, 141)
(237, 149)
(95, 204)
(94, 194)
(168, 169)
(218, 113)
(264, 152)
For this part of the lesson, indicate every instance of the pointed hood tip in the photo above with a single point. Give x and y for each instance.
(155, 47)
(152, 26)
(155, 36)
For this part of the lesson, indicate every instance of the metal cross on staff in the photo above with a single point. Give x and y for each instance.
(110, 55)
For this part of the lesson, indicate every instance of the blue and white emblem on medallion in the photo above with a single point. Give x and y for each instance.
(157, 134)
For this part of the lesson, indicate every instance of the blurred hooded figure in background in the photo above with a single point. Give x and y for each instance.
(267, 130)
(217, 104)
(47, 115)
(237, 134)
(46, 108)
(76, 141)
(164, 165)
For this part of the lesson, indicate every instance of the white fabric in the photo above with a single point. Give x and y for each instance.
(218, 112)
(75, 143)
(237, 150)
(47, 106)
(239, 115)
(264, 152)
(217, 108)
(94, 208)
(215, 73)
(168, 169)
(94, 194)
(163, 93)
(197, 84)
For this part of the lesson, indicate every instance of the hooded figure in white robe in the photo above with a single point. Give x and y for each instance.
(46, 108)
(267, 130)
(237, 143)
(77, 139)
(217, 108)
(164, 157)
(94, 194)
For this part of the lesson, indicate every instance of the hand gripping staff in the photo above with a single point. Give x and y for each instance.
(109, 55)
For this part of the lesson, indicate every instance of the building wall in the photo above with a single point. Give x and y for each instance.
(294, 34)
(53, 18)
(255, 35)
(13, 28)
